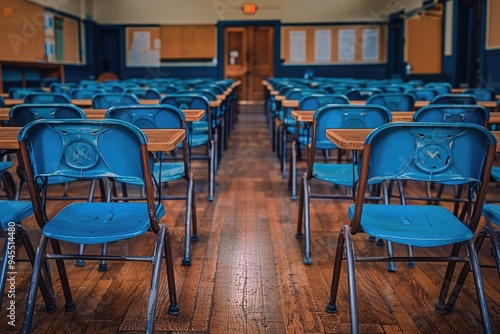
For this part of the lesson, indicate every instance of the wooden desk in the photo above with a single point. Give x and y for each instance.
(354, 139)
(192, 115)
(397, 116)
(158, 139)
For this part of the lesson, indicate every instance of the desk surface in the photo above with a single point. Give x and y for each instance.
(192, 115)
(87, 103)
(158, 139)
(354, 139)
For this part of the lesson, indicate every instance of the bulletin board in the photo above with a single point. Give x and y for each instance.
(143, 46)
(493, 25)
(333, 44)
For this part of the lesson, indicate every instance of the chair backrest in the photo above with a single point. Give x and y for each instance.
(146, 94)
(84, 93)
(314, 101)
(189, 101)
(423, 94)
(361, 93)
(20, 93)
(149, 116)
(441, 87)
(454, 99)
(2, 102)
(108, 100)
(46, 97)
(339, 116)
(454, 113)
(427, 152)
(86, 149)
(393, 101)
(482, 93)
(22, 114)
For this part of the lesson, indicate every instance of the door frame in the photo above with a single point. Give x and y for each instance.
(221, 25)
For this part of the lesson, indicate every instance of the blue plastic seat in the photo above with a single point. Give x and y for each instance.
(302, 137)
(361, 94)
(454, 99)
(340, 174)
(146, 94)
(11, 215)
(165, 117)
(84, 149)
(393, 101)
(46, 97)
(108, 100)
(201, 133)
(441, 87)
(20, 93)
(426, 152)
(452, 113)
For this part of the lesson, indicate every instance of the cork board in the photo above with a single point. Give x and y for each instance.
(493, 25)
(143, 46)
(360, 50)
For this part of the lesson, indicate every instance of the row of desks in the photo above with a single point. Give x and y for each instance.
(87, 103)
(192, 115)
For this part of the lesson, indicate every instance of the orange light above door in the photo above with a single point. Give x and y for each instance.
(249, 8)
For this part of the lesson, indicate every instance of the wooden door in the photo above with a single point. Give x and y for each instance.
(248, 57)
(423, 49)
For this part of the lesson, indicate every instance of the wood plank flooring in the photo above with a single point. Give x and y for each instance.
(247, 274)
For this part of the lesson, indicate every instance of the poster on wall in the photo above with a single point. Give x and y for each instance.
(346, 45)
(370, 44)
(140, 53)
(323, 45)
(297, 46)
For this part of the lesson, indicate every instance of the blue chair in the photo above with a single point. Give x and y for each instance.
(11, 215)
(201, 133)
(2, 102)
(108, 100)
(426, 152)
(482, 93)
(22, 114)
(83, 149)
(393, 101)
(165, 117)
(46, 98)
(303, 135)
(146, 94)
(20, 93)
(361, 94)
(423, 94)
(340, 174)
(441, 87)
(84, 93)
(454, 99)
(452, 113)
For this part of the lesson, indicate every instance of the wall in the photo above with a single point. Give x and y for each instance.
(211, 11)
(72, 7)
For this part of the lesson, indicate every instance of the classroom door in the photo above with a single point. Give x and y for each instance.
(248, 57)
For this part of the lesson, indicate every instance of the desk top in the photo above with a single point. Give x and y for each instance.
(354, 139)
(192, 115)
(158, 139)
(87, 103)
(397, 116)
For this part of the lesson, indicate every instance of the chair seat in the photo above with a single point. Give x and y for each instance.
(495, 173)
(200, 126)
(95, 223)
(415, 225)
(492, 213)
(170, 171)
(198, 139)
(340, 174)
(4, 165)
(14, 211)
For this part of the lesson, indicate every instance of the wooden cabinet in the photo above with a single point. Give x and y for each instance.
(184, 42)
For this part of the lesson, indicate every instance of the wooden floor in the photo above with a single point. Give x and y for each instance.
(247, 274)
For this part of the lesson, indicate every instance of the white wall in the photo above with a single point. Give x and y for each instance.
(66, 6)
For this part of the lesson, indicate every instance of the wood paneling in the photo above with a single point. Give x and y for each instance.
(187, 42)
(21, 31)
(71, 47)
